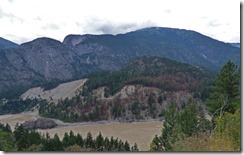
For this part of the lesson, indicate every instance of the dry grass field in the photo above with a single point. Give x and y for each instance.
(12, 119)
(141, 133)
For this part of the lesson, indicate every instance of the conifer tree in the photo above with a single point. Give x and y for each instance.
(226, 90)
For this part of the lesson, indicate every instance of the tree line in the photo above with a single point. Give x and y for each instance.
(30, 140)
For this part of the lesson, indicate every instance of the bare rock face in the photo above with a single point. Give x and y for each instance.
(40, 123)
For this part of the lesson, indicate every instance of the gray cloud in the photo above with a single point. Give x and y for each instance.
(214, 23)
(98, 26)
(11, 1)
(50, 27)
(235, 39)
(16, 39)
(109, 28)
(38, 18)
(167, 11)
(5, 14)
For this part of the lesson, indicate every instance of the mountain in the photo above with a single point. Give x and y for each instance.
(48, 61)
(5, 44)
(176, 44)
(38, 62)
(140, 90)
(235, 44)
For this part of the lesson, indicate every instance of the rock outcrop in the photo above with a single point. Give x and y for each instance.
(40, 123)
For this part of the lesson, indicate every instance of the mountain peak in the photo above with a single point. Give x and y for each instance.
(43, 40)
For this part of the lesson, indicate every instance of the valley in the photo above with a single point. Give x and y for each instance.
(127, 86)
(141, 133)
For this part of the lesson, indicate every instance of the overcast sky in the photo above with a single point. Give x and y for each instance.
(25, 20)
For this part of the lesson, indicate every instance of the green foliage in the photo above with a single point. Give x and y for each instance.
(117, 110)
(229, 125)
(99, 141)
(26, 140)
(53, 144)
(5, 128)
(13, 92)
(7, 141)
(225, 137)
(157, 72)
(135, 108)
(226, 90)
(179, 124)
(66, 110)
(224, 103)
(17, 106)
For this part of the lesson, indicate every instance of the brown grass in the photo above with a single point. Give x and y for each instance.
(141, 133)
(12, 119)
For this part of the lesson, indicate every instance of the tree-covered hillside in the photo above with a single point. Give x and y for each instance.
(143, 89)
(162, 73)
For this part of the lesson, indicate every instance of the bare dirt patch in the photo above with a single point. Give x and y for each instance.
(60, 92)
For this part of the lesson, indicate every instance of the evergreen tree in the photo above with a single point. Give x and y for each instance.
(99, 142)
(189, 118)
(111, 144)
(56, 144)
(7, 128)
(79, 140)
(226, 90)
(134, 147)
(89, 143)
(179, 124)
(65, 140)
(106, 144)
(126, 146)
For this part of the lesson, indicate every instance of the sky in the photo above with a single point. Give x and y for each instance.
(25, 20)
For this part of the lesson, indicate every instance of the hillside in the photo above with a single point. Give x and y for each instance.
(141, 90)
(45, 60)
(238, 45)
(62, 91)
(5, 44)
(161, 73)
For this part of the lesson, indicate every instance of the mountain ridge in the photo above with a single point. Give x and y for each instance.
(6, 44)
(125, 95)
(45, 60)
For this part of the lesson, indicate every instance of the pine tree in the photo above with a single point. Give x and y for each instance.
(65, 140)
(79, 140)
(127, 146)
(7, 128)
(134, 147)
(226, 91)
(89, 143)
(56, 144)
(99, 142)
